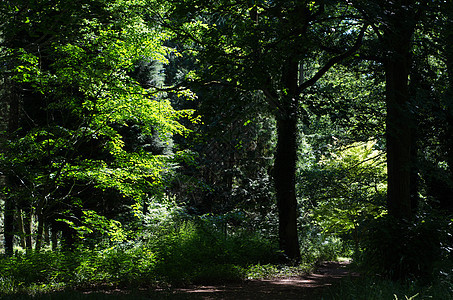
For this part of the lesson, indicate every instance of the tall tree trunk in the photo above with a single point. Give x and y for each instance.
(54, 237)
(20, 223)
(284, 178)
(28, 228)
(285, 163)
(47, 234)
(448, 36)
(13, 125)
(397, 68)
(40, 230)
(415, 85)
(8, 226)
(398, 140)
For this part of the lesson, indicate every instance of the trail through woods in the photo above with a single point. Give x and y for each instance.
(304, 286)
(309, 286)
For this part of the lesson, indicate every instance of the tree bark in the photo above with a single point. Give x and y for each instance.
(284, 179)
(448, 36)
(20, 221)
(54, 238)
(13, 125)
(47, 234)
(397, 68)
(285, 162)
(28, 227)
(39, 231)
(8, 226)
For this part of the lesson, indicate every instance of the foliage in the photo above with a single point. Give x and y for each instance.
(81, 106)
(345, 187)
(375, 288)
(269, 271)
(96, 66)
(177, 249)
(194, 248)
(94, 127)
(400, 249)
(346, 103)
(318, 246)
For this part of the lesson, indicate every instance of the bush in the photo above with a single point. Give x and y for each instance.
(317, 246)
(182, 251)
(119, 266)
(192, 249)
(41, 267)
(400, 249)
(372, 288)
(215, 274)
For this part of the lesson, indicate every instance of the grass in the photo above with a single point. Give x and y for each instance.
(189, 253)
(176, 256)
(374, 288)
(269, 271)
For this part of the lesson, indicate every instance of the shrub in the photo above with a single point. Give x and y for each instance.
(39, 267)
(401, 249)
(372, 288)
(192, 250)
(185, 251)
(317, 246)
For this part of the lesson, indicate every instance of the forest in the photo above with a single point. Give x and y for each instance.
(149, 144)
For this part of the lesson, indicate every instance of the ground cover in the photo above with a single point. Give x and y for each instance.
(293, 286)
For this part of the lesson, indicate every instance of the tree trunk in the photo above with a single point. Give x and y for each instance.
(397, 68)
(398, 141)
(416, 83)
(20, 223)
(39, 231)
(54, 238)
(13, 125)
(8, 226)
(285, 163)
(448, 36)
(47, 234)
(284, 178)
(27, 228)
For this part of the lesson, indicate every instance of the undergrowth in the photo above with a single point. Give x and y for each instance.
(174, 253)
(374, 288)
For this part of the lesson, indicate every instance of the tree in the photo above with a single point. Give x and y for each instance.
(394, 24)
(73, 64)
(262, 46)
(397, 39)
(448, 50)
(342, 166)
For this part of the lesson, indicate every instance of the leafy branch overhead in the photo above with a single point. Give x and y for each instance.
(80, 97)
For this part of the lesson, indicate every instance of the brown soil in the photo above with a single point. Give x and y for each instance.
(307, 286)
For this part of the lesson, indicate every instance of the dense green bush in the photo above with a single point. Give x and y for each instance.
(43, 267)
(194, 250)
(317, 246)
(117, 265)
(402, 249)
(184, 251)
(372, 288)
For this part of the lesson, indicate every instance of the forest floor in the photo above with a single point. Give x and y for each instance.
(310, 286)
(307, 286)
(303, 286)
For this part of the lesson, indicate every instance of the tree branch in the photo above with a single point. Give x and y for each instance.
(333, 61)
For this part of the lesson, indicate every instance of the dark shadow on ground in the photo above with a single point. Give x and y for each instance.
(309, 286)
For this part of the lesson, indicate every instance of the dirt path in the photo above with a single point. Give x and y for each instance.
(298, 287)
(307, 286)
